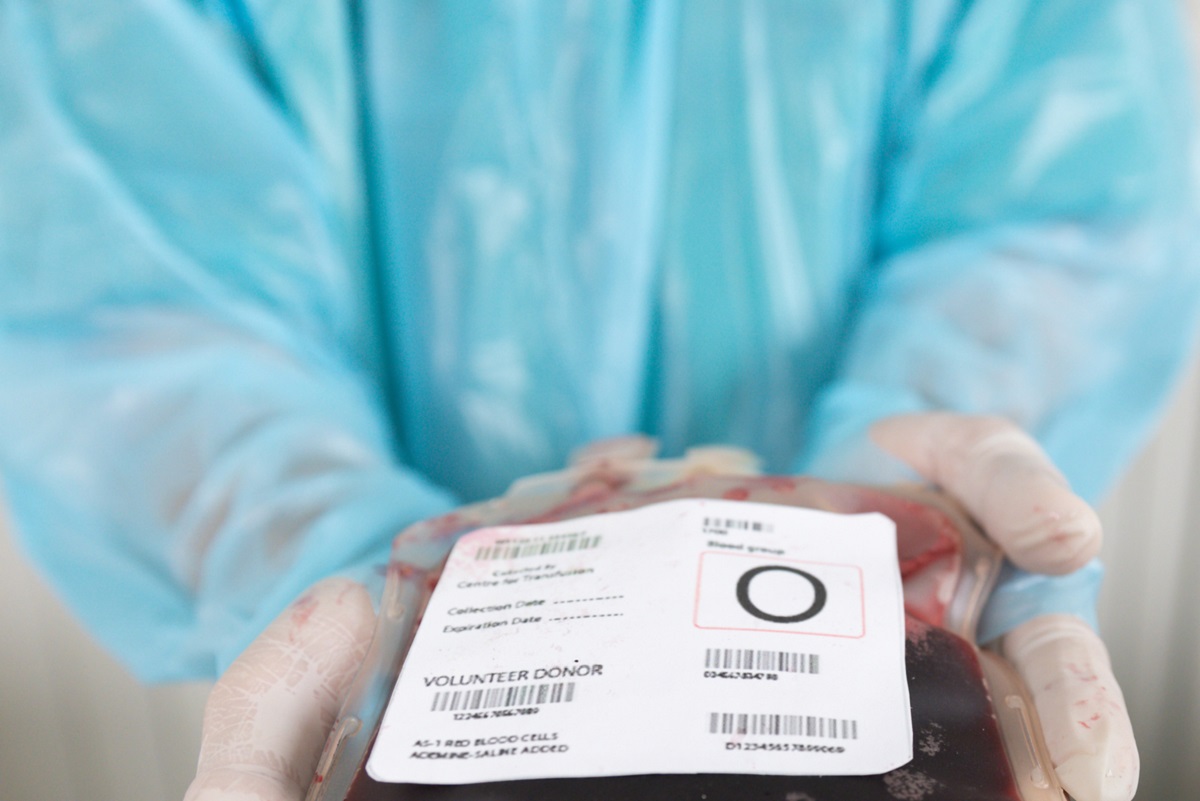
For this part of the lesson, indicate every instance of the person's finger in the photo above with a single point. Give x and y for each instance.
(268, 716)
(1006, 482)
(1083, 715)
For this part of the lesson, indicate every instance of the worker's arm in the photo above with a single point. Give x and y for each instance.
(1035, 252)
(191, 429)
(1035, 259)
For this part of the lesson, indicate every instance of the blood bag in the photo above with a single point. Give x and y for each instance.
(975, 733)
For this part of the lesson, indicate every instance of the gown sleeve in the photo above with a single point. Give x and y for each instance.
(192, 428)
(1035, 251)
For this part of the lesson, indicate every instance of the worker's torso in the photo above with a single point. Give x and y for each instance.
(599, 217)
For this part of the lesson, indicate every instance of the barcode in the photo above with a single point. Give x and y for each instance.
(774, 661)
(516, 550)
(783, 725)
(498, 697)
(739, 525)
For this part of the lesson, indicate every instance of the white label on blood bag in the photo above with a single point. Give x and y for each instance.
(693, 636)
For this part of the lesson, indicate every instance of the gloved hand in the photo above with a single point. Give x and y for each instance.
(269, 715)
(1001, 476)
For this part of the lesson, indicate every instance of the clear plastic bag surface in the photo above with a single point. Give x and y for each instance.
(976, 736)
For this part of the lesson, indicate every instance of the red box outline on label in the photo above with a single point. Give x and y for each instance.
(861, 595)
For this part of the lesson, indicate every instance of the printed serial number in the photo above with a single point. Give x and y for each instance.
(735, 674)
(496, 713)
(805, 747)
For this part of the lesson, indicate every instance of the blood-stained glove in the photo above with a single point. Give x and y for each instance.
(1008, 484)
(270, 713)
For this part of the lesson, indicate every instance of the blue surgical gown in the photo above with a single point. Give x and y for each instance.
(280, 278)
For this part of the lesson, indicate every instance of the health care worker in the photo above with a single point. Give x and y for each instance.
(281, 278)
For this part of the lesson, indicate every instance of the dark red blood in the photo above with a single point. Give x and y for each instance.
(780, 483)
(404, 570)
(915, 564)
(303, 609)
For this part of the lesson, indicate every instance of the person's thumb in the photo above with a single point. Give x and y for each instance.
(1004, 480)
(268, 716)
(1087, 728)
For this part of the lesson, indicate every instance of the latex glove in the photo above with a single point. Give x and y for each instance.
(1008, 484)
(269, 714)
